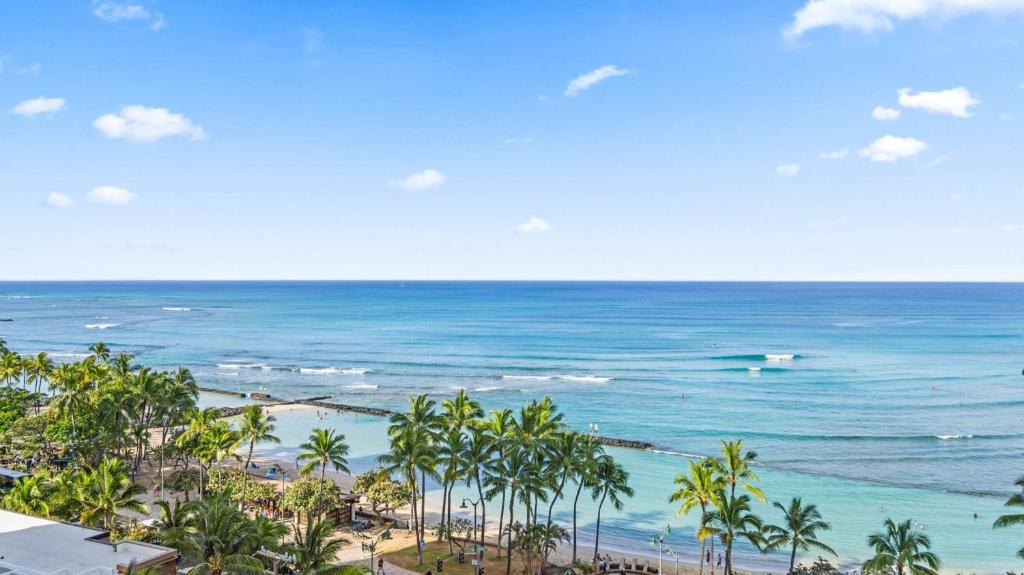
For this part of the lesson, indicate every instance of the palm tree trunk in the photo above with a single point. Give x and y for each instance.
(728, 556)
(245, 476)
(423, 505)
(597, 532)
(574, 502)
(444, 503)
(483, 510)
(319, 492)
(701, 571)
(449, 504)
(414, 523)
(712, 562)
(792, 558)
(511, 514)
(555, 498)
(501, 521)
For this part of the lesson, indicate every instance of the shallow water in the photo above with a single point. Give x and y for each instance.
(902, 396)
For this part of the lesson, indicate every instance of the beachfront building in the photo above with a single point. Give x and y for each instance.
(35, 546)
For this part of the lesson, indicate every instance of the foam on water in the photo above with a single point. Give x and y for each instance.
(101, 325)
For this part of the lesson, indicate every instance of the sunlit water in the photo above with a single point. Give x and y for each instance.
(899, 400)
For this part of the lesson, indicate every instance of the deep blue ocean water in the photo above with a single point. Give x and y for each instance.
(870, 400)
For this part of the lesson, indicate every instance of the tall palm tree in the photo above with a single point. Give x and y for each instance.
(316, 550)
(498, 428)
(450, 450)
(584, 474)
(731, 519)
(422, 420)
(798, 532)
(323, 448)
(72, 395)
(475, 461)
(1011, 519)
(41, 368)
(698, 490)
(100, 351)
(256, 427)
(513, 466)
(565, 451)
(611, 482)
(107, 490)
(735, 468)
(214, 446)
(410, 451)
(461, 411)
(901, 549)
(10, 368)
(28, 495)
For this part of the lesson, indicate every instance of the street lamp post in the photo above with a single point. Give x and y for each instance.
(463, 506)
(659, 540)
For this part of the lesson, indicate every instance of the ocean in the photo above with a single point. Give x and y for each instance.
(871, 400)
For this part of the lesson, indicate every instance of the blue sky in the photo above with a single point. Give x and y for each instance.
(570, 140)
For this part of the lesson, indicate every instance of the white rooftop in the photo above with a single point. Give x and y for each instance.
(34, 546)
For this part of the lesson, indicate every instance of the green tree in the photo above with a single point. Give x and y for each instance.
(10, 368)
(28, 495)
(410, 451)
(698, 490)
(610, 483)
(1011, 519)
(100, 351)
(731, 519)
(584, 474)
(323, 448)
(219, 537)
(899, 550)
(735, 469)
(799, 532)
(256, 427)
(105, 491)
(315, 551)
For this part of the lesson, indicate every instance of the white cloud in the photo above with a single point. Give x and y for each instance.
(952, 102)
(892, 148)
(111, 195)
(534, 225)
(788, 170)
(128, 12)
(885, 114)
(37, 106)
(118, 12)
(594, 77)
(32, 69)
(59, 200)
(1006, 117)
(142, 124)
(428, 178)
(833, 154)
(874, 15)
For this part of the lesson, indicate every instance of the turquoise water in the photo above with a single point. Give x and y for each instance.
(899, 399)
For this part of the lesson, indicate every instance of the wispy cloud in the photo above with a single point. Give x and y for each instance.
(429, 178)
(953, 102)
(534, 225)
(885, 114)
(892, 148)
(37, 106)
(59, 200)
(833, 154)
(312, 40)
(110, 195)
(880, 15)
(141, 124)
(32, 69)
(788, 170)
(128, 12)
(592, 78)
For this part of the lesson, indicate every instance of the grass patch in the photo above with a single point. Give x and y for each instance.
(406, 558)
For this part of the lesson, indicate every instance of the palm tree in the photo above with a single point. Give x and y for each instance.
(698, 489)
(40, 369)
(72, 396)
(10, 368)
(450, 448)
(584, 473)
(323, 448)
(735, 467)
(219, 537)
(513, 466)
(799, 532)
(476, 458)
(256, 427)
(461, 411)
(100, 351)
(565, 451)
(732, 519)
(107, 490)
(215, 445)
(316, 550)
(28, 495)
(498, 429)
(611, 482)
(901, 549)
(1011, 519)
(410, 451)
(422, 420)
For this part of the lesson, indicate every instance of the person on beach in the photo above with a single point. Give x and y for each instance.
(380, 566)
(719, 559)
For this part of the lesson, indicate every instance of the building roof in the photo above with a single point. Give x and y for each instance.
(34, 546)
(12, 474)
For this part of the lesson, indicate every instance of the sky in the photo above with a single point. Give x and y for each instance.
(589, 140)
